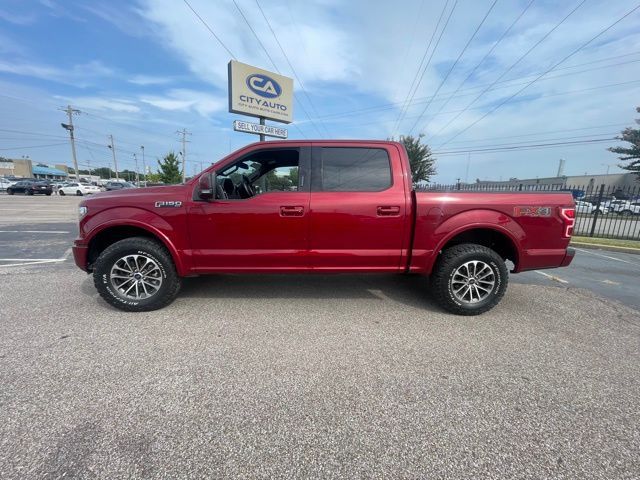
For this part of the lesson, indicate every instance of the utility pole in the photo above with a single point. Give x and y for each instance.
(135, 158)
(69, 127)
(466, 175)
(113, 150)
(144, 167)
(184, 134)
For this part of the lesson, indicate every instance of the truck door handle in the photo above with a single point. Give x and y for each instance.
(291, 211)
(387, 211)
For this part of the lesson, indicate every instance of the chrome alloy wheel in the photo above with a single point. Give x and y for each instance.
(136, 276)
(472, 282)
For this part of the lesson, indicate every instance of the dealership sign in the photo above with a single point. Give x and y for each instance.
(259, 93)
(268, 130)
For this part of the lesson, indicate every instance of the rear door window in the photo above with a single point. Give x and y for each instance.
(349, 169)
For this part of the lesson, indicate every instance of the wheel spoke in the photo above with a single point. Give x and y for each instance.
(129, 289)
(123, 269)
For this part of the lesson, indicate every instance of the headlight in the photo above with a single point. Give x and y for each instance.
(82, 211)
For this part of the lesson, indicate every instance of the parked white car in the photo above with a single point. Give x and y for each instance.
(5, 183)
(624, 207)
(78, 189)
(586, 207)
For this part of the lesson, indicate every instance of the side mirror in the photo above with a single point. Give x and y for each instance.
(207, 186)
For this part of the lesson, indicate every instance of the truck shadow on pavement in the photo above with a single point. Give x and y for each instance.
(406, 289)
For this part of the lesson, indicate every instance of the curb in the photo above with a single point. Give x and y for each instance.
(611, 248)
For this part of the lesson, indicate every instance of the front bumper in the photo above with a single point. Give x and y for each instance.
(80, 253)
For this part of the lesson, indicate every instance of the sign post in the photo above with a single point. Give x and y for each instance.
(262, 94)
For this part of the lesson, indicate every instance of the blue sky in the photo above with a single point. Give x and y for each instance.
(140, 70)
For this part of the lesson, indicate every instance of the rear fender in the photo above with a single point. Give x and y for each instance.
(472, 220)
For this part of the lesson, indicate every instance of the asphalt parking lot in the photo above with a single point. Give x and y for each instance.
(311, 376)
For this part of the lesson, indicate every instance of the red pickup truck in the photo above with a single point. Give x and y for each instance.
(318, 206)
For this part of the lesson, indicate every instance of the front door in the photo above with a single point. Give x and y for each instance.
(359, 213)
(259, 221)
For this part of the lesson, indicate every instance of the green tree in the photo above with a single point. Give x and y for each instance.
(154, 178)
(421, 159)
(293, 175)
(170, 169)
(276, 182)
(104, 172)
(630, 154)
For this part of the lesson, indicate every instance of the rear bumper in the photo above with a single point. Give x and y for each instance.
(80, 252)
(568, 258)
(545, 258)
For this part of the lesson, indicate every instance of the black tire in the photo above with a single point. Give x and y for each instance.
(48, 194)
(61, 193)
(168, 290)
(445, 269)
(625, 213)
(9, 191)
(28, 192)
(78, 193)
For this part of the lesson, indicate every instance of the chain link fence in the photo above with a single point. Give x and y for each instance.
(601, 211)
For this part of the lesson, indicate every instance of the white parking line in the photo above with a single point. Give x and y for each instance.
(33, 231)
(551, 277)
(61, 259)
(606, 256)
(35, 262)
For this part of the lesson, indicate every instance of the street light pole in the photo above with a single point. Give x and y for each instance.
(135, 158)
(144, 167)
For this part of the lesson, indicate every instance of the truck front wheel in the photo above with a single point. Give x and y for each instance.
(469, 279)
(136, 275)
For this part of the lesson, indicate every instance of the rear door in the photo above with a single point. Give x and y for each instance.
(358, 208)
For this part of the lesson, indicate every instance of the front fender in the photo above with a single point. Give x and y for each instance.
(170, 230)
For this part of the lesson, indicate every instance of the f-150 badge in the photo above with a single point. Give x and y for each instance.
(532, 211)
(169, 204)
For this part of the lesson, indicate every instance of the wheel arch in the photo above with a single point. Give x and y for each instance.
(492, 236)
(108, 234)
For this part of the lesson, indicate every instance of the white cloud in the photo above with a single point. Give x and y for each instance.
(102, 103)
(187, 100)
(145, 80)
(17, 18)
(81, 75)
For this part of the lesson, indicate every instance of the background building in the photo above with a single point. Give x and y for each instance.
(25, 168)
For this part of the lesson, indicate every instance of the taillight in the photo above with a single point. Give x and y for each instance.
(569, 218)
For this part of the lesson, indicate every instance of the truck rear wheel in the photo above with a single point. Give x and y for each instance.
(469, 279)
(136, 275)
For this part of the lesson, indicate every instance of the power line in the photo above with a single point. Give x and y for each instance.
(573, 137)
(274, 65)
(602, 32)
(556, 94)
(210, 30)
(413, 36)
(522, 147)
(464, 49)
(313, 107)
(493, 47)
(412, 91)
(524, 55)
(389, 106)
(546, 132)
(34, 146)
